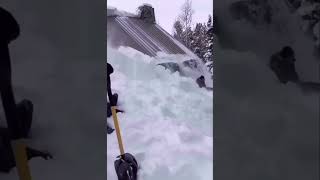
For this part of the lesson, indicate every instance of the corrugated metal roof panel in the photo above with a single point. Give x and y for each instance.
(140, 35)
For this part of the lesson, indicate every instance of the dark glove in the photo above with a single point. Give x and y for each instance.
(118, 110)
(112, 102)
(109, 130)
(46, 155)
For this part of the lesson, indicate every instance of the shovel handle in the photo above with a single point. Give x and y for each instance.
(20, 154)
(117, 127)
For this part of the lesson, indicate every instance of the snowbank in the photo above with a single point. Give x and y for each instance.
(168, 119)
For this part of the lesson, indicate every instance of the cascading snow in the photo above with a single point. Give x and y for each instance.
(167, 122)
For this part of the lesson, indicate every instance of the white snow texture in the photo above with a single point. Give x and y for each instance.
(168, 120)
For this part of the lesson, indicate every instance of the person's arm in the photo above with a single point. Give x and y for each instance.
(10, 31)
(109, 91)
(6, 91)
(109, 72)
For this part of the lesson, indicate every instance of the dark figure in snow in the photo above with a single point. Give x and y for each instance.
(282, 63)
(201, 82)
(19, 116)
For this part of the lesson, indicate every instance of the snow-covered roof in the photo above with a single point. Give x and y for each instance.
(113, 11)
(127, 29)
(147, 4)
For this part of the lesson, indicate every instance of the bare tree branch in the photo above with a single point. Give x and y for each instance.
(186, 14)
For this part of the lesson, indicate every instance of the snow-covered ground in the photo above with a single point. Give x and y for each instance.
(168, 120)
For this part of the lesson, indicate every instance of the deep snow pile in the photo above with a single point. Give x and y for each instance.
(194, 69)
(168, 119)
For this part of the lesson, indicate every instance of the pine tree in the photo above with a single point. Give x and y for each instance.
(199, 39)
(187, 37)
(178, 31)
(209, 23)
(208, 56)
(198, 43)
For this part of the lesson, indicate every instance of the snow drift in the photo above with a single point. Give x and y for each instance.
(168, 119)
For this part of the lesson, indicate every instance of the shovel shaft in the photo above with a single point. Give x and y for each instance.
(21, 158)
(117, 127)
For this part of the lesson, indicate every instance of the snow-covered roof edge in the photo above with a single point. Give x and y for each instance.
(113, 11)
(147, 4)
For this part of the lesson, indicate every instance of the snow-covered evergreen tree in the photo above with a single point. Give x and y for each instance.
(208, 56)
(187, 37)
(198, 45)
(178, 31)
(198, 39)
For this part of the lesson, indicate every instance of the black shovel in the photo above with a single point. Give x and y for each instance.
(126, 165)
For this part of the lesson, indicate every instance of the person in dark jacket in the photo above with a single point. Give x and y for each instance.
(283, 65)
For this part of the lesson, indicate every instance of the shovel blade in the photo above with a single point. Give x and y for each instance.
(126, 167)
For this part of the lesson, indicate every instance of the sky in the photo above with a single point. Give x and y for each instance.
(166, 11)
